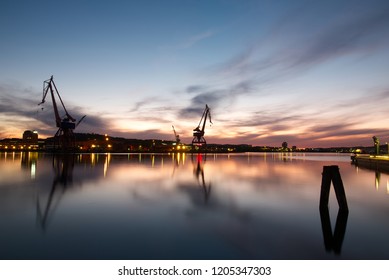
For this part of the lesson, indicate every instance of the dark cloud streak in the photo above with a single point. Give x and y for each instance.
(307, 43)
(14, 103)
(214, 98)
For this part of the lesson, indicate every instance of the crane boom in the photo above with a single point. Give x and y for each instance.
(207, 113)
(66, 125)
(49, 85)
(177, 137)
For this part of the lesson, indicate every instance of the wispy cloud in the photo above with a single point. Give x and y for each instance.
(214, 97)
(192, 40)
(18, 103)
(304, 39)
(298, 42)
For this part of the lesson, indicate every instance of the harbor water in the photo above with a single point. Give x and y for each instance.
(188, 206)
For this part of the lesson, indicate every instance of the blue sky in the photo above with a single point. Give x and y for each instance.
(312, 73)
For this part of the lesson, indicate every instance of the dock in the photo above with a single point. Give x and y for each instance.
(374, 162)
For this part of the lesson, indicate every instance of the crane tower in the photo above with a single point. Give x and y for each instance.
(64, 138)
(176, 136)
(198, 132)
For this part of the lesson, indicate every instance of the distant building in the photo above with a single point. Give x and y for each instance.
(30, 137)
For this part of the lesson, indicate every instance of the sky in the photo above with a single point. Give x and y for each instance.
(311, 73)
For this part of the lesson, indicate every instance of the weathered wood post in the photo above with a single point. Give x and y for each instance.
(331, 174)
(333, 241)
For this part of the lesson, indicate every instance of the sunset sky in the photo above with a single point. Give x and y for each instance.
(311, 73)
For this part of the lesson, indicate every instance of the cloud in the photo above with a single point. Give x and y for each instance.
(195, 88)
(303, 39)
(146, 134)
(18, 103)
(299, 42)
(299, 46)
(191, 41)
(297, 124)
(213, 97)
(349, 35)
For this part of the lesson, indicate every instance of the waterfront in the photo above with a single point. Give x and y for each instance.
(183, 206)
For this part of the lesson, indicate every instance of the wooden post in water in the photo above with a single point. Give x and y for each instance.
(333, 241)
(331, 174)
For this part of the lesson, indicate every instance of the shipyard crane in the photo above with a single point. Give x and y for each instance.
(177, 137)
(198, 132)
(64, 138)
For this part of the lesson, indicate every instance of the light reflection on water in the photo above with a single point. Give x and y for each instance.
(184, 206)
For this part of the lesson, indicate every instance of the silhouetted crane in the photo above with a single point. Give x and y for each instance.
(64, 138)
(178, 141)
(198, 133)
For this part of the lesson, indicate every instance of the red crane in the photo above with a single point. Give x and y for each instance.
(198, 132)
(64, 138)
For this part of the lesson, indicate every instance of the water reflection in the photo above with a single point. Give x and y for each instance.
(29, 162)
(333, 240)
(199, 173)
(377, 179)
(198, 190)
(214, 206)
(63, 165)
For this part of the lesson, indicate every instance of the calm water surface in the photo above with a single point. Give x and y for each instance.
(139, 206)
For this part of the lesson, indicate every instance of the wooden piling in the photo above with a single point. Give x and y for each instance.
(333, 241)
(331, 174)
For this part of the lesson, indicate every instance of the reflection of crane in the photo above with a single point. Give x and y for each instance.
(63, 168)
(199, 172)
(64, 136)
(198, 133)
(178, 141)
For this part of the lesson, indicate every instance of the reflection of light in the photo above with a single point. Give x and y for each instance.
(152, 160)
(33, 170)
(93, 159)
(106, 164)
(140, 157)
(377, 183)
(178, 158)
(199, 158)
